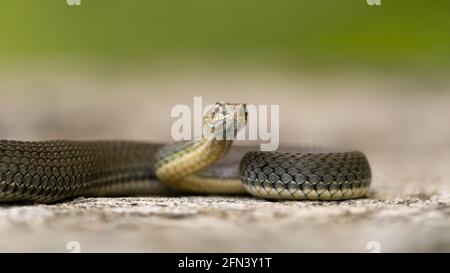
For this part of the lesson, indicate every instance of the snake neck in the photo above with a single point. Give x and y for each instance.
(177, 161)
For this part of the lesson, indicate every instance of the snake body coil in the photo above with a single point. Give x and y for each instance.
(51, 171)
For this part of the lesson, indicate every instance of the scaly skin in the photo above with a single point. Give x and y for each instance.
(50, 171)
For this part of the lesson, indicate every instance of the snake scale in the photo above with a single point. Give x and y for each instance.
(52, 171)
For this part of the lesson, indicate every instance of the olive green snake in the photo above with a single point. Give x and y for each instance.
(57, 170)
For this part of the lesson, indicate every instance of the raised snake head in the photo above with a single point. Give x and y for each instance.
(224, 120)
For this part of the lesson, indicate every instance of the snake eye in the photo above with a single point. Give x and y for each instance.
(219, 108)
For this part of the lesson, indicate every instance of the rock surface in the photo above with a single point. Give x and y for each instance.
(417, 223)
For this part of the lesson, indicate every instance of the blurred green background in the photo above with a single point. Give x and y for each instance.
(400, 35)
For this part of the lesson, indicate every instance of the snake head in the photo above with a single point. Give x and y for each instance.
(224, 120)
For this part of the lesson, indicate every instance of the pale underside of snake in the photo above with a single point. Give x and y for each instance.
(56, 170)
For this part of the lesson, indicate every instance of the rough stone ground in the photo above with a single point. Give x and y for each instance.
(403, 129)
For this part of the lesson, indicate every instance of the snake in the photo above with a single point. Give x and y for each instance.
(57, 170)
